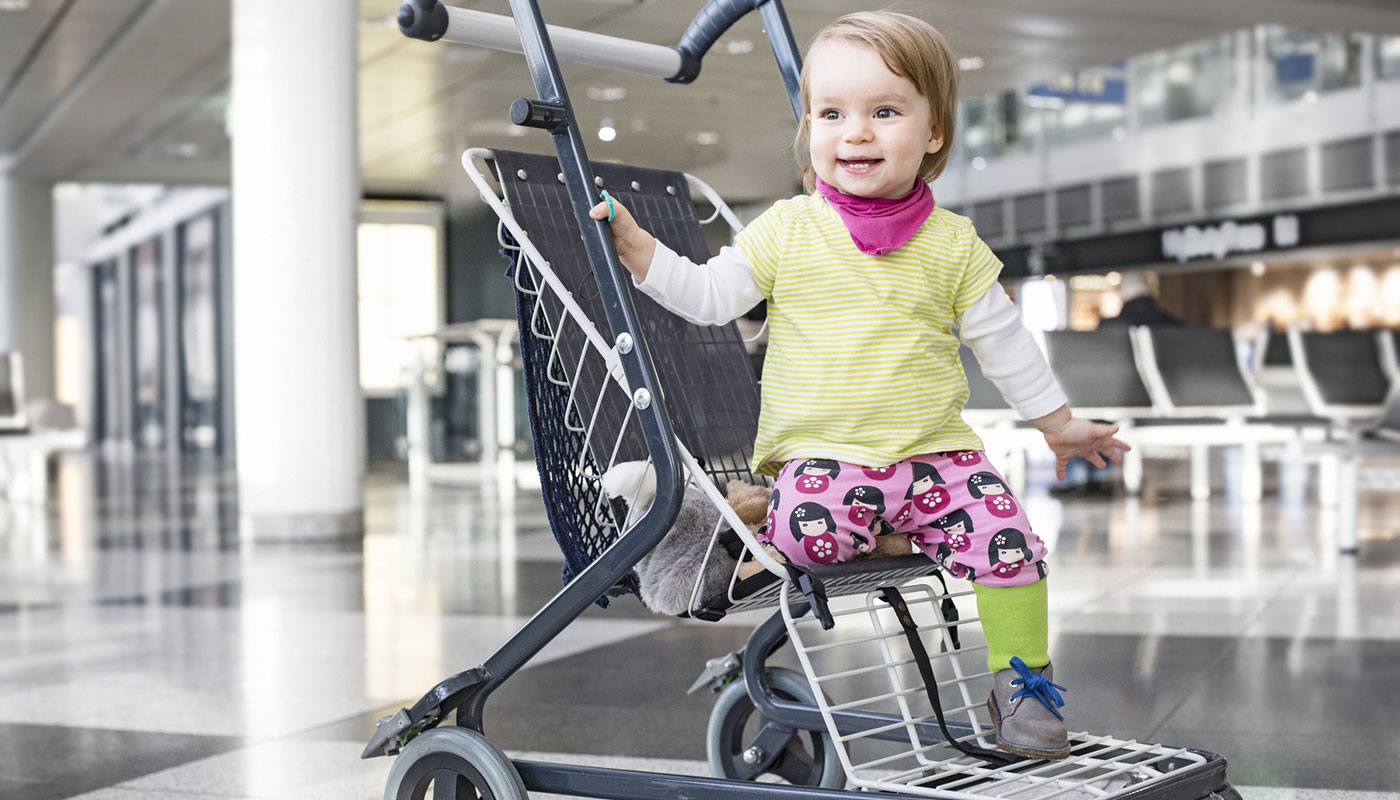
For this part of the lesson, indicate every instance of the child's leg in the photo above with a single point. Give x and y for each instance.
(984, 536)
(1016, 623)
(824, 512)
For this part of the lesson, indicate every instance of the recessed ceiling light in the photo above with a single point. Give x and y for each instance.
(606, 131)
(737, 47)
(706, 137)
(607, 94)
(1257, 268)
(979, 163)
(13, 5)
(969, 63)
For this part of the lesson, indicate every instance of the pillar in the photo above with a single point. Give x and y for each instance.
(300, 437)
(26, 278)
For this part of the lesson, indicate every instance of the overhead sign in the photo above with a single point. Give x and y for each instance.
(1103, 85)
(1218, 240)
(1349, 223)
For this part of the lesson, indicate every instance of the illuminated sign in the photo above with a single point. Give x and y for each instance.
(1226, 238)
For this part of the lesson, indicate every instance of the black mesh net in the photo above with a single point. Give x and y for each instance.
(579, 418)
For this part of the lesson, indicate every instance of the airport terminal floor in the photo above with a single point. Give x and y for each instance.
(147, 651)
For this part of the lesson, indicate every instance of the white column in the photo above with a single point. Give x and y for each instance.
(26, 278)
(300, 443)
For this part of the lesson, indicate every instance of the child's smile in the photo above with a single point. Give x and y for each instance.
(870, 128)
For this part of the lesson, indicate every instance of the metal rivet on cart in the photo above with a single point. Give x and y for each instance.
(597, 180)
(560, 177)
(636, 187)
(641, 399)
(520, 173)
(624, 342)
(671, 190)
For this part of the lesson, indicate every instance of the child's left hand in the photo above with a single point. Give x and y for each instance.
(1084, 438)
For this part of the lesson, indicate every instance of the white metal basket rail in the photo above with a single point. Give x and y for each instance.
(871, 668)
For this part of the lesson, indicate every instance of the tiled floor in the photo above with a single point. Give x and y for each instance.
(147, 651)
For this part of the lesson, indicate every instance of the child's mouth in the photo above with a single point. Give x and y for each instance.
(858, 165)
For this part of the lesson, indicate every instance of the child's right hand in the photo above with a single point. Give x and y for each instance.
(635, 247)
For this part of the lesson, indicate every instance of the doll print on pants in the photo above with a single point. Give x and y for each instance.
(953, 506)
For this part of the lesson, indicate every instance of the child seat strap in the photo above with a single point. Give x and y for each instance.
(892, 596)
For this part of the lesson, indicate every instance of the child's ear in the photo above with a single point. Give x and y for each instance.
(935, 140)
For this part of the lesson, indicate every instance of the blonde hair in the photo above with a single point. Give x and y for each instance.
(912, 49)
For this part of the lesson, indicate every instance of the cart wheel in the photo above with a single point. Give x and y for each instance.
(457, 764)
(757, 750)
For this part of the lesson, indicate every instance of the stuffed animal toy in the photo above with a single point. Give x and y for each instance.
(667, 574)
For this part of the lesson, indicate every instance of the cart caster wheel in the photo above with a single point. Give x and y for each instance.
(457, 764)
(742, 745)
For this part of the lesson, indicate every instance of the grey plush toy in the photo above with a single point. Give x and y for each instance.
(668, 573)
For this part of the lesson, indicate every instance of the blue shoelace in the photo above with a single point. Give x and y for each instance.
(1035, 685)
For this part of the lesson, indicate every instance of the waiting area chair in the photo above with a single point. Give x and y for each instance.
(26, 439)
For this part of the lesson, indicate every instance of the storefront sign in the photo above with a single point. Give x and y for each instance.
(1323, 226)
(1228, 238)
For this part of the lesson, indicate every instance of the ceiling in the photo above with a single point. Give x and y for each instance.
(137, 90)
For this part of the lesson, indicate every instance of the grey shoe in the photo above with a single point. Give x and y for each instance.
(1023, 705)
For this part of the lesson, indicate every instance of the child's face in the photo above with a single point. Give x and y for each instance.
(870, 128)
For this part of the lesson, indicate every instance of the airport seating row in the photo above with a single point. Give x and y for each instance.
(29, 435)
(1304, 395)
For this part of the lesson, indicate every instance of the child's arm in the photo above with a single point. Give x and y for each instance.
(635, 247)
(712, 293)
(1071, 436)
(1011, 360)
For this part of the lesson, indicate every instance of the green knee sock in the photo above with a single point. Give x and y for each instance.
(1016, 622)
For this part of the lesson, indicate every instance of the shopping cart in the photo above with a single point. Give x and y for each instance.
(890, 698)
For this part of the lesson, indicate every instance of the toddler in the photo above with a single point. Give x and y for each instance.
(870, 286)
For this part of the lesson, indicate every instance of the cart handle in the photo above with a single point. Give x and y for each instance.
(431, 21)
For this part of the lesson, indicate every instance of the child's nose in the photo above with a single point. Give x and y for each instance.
(857, 130)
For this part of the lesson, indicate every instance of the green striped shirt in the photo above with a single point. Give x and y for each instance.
(862, 364)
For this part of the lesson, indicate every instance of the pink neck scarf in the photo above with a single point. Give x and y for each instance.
(880, 225)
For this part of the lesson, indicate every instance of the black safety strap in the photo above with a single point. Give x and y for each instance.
(815, 591)
(950, 615)
(892, 596)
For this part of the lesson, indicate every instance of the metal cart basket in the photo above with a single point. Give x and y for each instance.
(891, 696)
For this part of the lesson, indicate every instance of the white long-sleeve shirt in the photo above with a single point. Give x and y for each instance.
(724, 288)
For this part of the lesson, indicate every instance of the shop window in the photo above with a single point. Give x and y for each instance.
(1120, 199)
(1392, 156)
(1030, 213)
(1171, 191)
(1347, 164)
(1185, 83)
(1388, 57)
(1225, 183)
(990, 219)
(1283, 174)
(994, 125)
(1294, 65)
(1072, 206)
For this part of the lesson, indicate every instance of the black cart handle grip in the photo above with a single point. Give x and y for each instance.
(713, 20)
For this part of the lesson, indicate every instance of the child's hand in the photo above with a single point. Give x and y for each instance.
(635, 247)
(1083, 438)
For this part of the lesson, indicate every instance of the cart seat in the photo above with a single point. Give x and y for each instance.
(762, 589)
